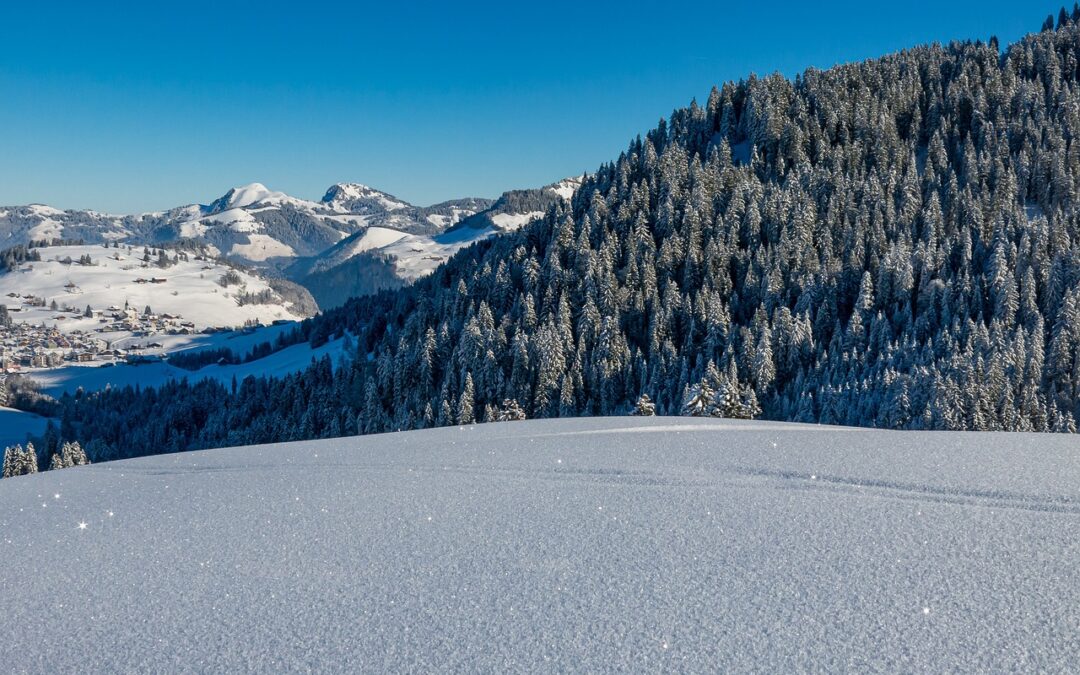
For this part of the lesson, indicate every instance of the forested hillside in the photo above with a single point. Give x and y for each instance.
(892, 243)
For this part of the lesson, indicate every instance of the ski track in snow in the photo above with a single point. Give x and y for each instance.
(644, 544)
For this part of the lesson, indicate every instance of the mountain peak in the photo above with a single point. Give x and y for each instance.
(349, 195)
(252, 193)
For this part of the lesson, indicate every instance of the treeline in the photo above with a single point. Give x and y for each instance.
(891, 243)
(20, 461)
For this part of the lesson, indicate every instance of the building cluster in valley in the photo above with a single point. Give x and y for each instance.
(44, 343)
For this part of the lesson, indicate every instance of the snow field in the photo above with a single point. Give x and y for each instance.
(190, 291)
(562, 545)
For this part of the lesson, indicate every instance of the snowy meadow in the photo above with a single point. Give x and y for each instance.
(587, 545)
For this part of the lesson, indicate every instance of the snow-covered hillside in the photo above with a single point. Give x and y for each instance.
(84, 306)
(645, 544)
(412, 255)
(190, 288)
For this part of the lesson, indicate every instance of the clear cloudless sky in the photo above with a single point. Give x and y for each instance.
(137, 106)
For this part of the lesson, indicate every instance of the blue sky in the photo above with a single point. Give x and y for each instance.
(127, 107)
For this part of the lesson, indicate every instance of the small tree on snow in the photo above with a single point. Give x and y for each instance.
(12, 459)
(728, 401)
(698, 401)
(72, 454)
(29, 460)
(56, 462)
(465, 403)
(644, 407)
(511, 411)
(735, 401)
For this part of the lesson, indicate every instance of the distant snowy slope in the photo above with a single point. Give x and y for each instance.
(597, 545)
(189, 288)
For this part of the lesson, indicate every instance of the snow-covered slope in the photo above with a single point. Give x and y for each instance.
(644, 544)
(190, 289)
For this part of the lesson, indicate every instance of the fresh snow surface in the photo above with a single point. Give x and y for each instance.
(45, 210)
(414, 255)
(439, 221)
(238, 220)
(418, 255)
(644, 544)
(47, 230)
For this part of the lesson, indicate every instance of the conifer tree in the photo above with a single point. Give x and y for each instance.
(644, 407)
(12, 460)
(465, 403)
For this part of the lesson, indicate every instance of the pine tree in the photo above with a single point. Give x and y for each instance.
(12, 460)
(644, 407)
(72, 454)
(511, 411)
(699, 400)
(465, 403)
(28, 463)
(446, 416)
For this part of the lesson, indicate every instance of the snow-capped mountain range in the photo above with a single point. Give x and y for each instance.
(254, 225)
(250, 223)
(302, 239)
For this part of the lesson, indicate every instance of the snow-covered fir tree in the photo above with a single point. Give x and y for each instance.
(20, 461)
(72, 454)
(644, 407)
(511, 411)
